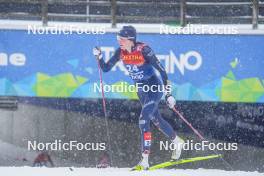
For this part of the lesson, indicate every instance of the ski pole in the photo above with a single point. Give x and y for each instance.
(198, 134)
(102, 88)
(105, 112)
(188, 123)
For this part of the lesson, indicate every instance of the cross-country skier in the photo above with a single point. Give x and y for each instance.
(141, 63)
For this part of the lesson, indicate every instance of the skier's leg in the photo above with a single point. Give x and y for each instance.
(167, 129)
(148, 113)
(163, 125)
(156, 118)
(144, 125)
(148, 107)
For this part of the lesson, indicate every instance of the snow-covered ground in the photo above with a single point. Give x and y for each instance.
(28, 171)
(11, 155)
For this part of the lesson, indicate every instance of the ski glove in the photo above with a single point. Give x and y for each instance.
(170, 100)
(97, 53)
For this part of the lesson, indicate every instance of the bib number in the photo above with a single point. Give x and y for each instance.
(134, 72)
(133, 68)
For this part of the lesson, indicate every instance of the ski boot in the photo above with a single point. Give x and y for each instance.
(178, 144)
(143, 164)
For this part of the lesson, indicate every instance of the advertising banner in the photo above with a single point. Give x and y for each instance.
(222, 68)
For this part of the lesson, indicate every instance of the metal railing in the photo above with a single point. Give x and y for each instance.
(113, 6)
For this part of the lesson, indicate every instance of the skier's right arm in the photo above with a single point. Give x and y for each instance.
(106, 66)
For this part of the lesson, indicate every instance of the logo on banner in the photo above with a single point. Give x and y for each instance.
(184, 62)
(15, 59)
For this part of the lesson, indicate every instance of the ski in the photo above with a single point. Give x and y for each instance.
(177, 162)
(182, 161)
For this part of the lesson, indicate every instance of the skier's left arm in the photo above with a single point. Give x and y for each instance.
(153, 60)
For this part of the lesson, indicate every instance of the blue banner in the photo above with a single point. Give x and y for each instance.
(226, 68)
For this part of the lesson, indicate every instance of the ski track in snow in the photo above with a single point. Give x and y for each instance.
(63, 171)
